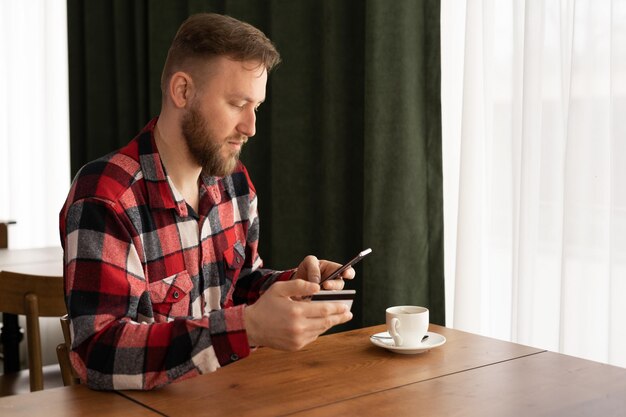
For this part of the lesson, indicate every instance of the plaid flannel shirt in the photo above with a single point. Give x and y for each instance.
(155, 293)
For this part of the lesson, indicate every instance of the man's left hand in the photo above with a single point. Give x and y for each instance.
(313, 269)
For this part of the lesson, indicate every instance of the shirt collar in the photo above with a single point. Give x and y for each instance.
(162, 194)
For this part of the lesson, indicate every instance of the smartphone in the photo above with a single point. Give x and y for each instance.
(350, 263)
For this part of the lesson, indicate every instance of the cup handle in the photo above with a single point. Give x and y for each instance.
(393, 331)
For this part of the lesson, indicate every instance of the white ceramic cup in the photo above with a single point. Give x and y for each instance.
(407, 325)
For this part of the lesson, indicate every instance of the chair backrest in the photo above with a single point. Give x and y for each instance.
(4, 236)
(69, 375)
(33, 296)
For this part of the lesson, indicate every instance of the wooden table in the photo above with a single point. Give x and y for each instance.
(75, 401)
(15, 257)
(38, 261)
(345, 375)
(333, 369)
(545, 384)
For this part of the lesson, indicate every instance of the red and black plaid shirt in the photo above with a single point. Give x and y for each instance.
(155, 293)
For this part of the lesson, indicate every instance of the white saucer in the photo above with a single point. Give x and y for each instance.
(434, 340)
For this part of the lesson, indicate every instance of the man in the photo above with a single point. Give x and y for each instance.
(162, 276)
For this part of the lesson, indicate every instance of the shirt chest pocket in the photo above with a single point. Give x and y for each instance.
(170, 297)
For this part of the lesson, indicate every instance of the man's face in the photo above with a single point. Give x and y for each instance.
(222, 115)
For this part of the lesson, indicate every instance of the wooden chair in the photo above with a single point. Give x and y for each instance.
(70, 377)
(4, 233)
(33, 296)
(4, 236)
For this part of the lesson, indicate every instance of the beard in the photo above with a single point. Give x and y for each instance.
(206, 148)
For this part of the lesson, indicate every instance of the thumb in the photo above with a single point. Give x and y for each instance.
(295, 288)
(309, 269)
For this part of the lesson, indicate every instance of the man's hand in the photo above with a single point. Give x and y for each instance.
(311, 269)
(277, 320)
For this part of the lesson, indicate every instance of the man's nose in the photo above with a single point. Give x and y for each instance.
(247, 124)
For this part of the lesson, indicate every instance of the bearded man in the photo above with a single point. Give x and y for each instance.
(163, 279)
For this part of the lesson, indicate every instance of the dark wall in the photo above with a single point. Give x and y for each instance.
(348, 147)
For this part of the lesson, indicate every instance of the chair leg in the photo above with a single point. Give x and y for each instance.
(63, 354)
(65, 364)
(35, 365)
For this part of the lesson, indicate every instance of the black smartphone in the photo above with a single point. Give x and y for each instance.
(350, 263)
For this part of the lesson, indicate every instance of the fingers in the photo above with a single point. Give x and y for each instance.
(309, 269)
(328, 267)
(317, 309)
(333, 284)
(295, 288)
(329, 316)
(314, 319)
(348, 273)
(278, 321)
(313, 327)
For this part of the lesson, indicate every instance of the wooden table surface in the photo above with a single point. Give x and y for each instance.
(332, 369)
(75, 401)
(546, 384)
(345, 375)
(53, 269)
(13, 257)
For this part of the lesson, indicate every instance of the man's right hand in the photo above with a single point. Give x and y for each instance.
(279, 321)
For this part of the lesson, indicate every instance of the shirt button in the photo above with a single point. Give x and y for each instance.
(176, 294)
(238, 259)
(234, 357)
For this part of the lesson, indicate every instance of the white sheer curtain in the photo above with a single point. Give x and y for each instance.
(534, 141)
(34, 119)
(34, 131)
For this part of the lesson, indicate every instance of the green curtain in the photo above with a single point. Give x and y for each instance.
(348, 147)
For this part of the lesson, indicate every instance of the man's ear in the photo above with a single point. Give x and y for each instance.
(180, 89)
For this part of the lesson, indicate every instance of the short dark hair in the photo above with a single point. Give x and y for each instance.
(207, 35)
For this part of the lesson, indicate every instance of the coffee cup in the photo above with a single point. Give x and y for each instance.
(407, 325)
